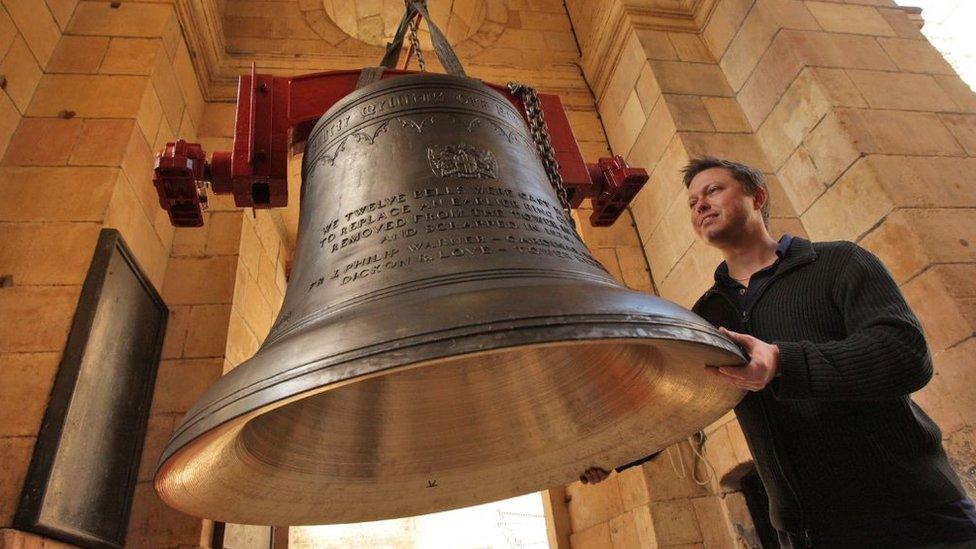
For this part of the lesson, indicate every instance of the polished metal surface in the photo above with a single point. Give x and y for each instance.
(446, 339)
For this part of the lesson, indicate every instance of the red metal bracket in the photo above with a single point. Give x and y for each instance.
(275, 112)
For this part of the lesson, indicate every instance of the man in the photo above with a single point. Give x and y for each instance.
(846, 457)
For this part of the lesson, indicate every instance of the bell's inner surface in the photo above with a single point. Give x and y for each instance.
(446, 338)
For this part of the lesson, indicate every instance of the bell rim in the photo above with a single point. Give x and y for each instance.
(237, 423)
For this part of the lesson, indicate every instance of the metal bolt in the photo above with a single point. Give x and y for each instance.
(67, 115)
(263, 88)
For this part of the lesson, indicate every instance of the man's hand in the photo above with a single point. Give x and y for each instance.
(762, 367)
(594, 475)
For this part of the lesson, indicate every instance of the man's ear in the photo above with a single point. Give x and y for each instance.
(760, 198)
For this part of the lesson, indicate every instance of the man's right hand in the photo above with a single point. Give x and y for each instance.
(594, 475)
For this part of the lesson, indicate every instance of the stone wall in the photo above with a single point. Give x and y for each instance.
(865, 134)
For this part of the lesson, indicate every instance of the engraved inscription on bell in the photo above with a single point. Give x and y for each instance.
(461, 160)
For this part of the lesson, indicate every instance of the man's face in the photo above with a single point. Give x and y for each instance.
(720, 207)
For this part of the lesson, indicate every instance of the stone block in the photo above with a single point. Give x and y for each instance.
(62, 11)
(963, 127)
(831, 148)
(938, 402)
(15, 456)
(927, 181)
(154, 524)
(8, 32)
(586, 125)
(85, 95)
(669, 477)
(849, 208)
(608, 258)
(42, 142)
(898, 245)
(653, 200)
(738, 440)
(270, 233)
(724, 24)
(591, 504)
(103, 142)
(789, 14)
(688, 112)
(180, 382)
(656, 45)
(715, 527)
(241, 342)
(37, 318)
(959, 91)
(778, 226)
(775, 72)
(26, 380)
(633, 488)
(18, 539)
(137, 165)
(40, 194)
(916, 56)
(622, 134)
(207, 331)
(647, 88)
(9, 120)
(633, 530)
(721, 456)
(956, 377)
(594, 537)
(200, 280)
(948, 234)
(158, 431)
(186, 77)
(690, 277)
(37, 27)
(799, 110)
(779, 205)
(168, 91)
(654, 136)
(37, 254)
(903, 25)
(828, 49)
(850, 19)
(726, 115)
(634, 269)
(691, 78)
(748, 46)
(742, 148)
(675, 522)
(690, 47)
(21, 72)
(838, 87)
(150, 115)
(131, 56)
(799, 180)
(256, 311)
(899, 132)
(670, 240)
(190, 241)
(544, 21)
(177, 326)
(219, 120)
(126, 214)
(223, 235)
(132, 19)
(961, 448)
(939, 313)
(78, 54)
(902, 91)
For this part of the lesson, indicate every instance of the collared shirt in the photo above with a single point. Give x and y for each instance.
(745, 296)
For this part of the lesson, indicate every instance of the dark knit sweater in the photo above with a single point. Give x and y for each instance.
(836, 438)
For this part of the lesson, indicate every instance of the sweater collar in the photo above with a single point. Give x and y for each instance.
(800, 252)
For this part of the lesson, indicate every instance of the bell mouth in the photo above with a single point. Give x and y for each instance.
(449, 432)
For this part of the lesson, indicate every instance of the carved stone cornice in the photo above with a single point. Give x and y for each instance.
(622, 18)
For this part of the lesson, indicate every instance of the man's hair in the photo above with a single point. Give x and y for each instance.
(751, 179)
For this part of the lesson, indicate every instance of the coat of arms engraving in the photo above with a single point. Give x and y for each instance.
(462, 160)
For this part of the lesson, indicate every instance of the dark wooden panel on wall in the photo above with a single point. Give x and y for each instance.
(83, 474)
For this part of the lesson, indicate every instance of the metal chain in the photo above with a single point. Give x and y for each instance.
(415, 42)
(540, 135)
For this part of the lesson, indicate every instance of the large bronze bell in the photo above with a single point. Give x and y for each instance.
(446, 338)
